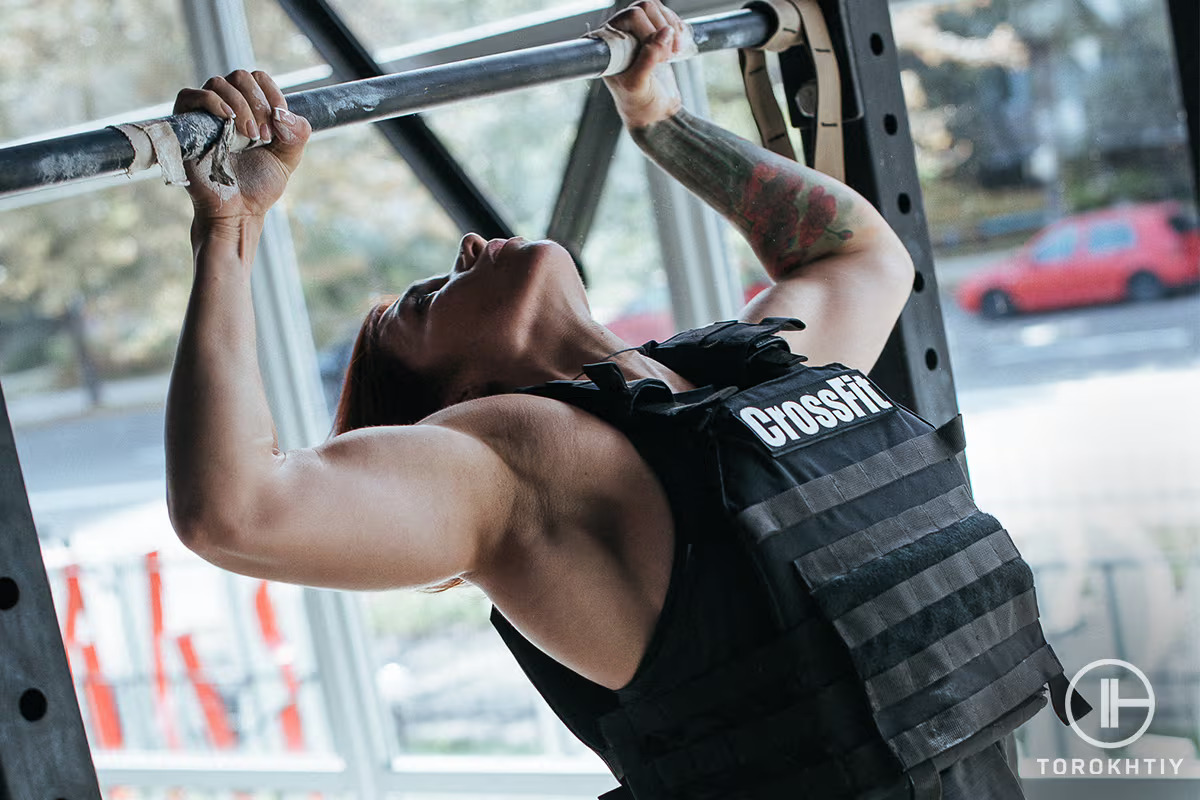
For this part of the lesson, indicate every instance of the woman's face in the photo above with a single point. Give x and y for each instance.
(501, 298)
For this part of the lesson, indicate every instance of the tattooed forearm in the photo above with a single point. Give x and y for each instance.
(788, 213)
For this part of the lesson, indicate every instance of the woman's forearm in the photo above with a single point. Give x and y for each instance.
(789, 214)
(220, 438)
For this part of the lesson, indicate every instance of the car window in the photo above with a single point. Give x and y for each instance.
(1055, 246)
(1184, 222)
(1109, 237)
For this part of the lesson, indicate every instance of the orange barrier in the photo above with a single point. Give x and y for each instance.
(102, 703)
(211, 703)
(98, 692)
(163, 707)
(289, 717)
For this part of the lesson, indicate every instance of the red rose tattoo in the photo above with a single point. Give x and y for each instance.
(821, 212)
(768, 219)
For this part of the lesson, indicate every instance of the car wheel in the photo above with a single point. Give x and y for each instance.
(996, 304)
(1143, 287)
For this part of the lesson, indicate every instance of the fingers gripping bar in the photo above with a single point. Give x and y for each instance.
(111, 151)
(623, 48)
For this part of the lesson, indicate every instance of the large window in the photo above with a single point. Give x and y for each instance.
(1025, 114)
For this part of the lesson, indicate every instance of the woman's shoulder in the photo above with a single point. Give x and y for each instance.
(538, 433)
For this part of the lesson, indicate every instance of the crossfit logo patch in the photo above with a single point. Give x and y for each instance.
(808, 412)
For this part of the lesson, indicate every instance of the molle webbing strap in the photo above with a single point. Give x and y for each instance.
(963, 683)
(799, 20)
(952, 651)
(959, 722)
(778, 513)
(925, 781)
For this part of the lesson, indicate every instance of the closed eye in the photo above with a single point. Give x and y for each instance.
(421, 295)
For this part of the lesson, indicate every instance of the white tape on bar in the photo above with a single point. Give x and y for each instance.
(153, 143)
(623, 47)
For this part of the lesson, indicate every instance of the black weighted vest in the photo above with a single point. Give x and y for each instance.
(841, 620)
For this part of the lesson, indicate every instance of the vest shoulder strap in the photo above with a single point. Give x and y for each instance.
(729, 353)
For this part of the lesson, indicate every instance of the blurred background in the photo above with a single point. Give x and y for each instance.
(1052, 151)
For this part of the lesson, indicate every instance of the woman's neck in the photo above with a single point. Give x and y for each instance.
(563, 356)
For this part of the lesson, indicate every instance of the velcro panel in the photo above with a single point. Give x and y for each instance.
(841, 594)
(898, 603)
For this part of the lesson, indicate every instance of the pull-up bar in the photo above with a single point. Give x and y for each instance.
(108, 151)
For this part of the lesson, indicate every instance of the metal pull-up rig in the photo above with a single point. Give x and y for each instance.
(107, 151)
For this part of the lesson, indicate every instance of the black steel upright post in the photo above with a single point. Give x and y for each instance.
(880, 165)
(430, 160)
(1185, 27)
(43, 748)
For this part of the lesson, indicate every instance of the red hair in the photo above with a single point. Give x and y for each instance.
(380, 389)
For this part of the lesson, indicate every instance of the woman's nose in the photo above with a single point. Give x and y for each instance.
(469, 249)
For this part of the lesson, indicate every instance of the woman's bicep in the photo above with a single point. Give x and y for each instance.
(848, 303)
(375, 509)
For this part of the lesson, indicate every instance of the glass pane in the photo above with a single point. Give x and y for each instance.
(79, 51)
(449, 685)
(627, 287)
(1112, 237)
(1055, 247)
(168, 653)
(386, 23)
(279, 47)
(1024, 115)
(494, 140)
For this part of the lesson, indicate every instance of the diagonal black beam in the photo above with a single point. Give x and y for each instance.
(411, 138)
(587, 168)
(586, 171)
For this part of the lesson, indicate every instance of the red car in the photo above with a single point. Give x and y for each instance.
(1136, 252)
